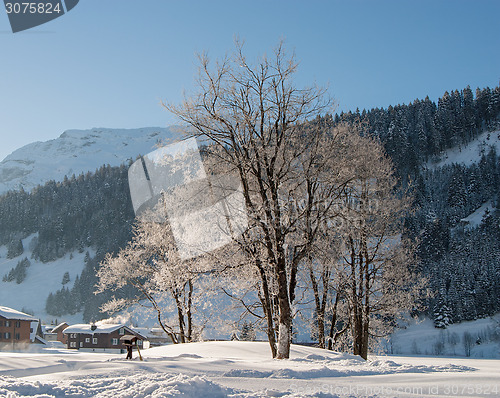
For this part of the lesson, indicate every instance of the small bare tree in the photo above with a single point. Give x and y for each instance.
(359, 257)
(380, 263)
(326, 279)
(151, 265)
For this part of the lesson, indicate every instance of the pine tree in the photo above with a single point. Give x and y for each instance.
(66, 278)
(469, 115)
(18, 273)
(247, 332)
(442, 315)
(15, 248)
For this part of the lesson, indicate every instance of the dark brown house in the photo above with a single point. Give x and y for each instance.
(16, 327)
(100, 338)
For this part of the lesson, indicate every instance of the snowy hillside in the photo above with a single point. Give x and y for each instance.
(482, 337)
(475, 218)
(239, 369)
(41, 279)
(470, 153)
(77, 151)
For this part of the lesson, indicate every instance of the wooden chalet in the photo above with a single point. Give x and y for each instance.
(101, 338)
(16, 327)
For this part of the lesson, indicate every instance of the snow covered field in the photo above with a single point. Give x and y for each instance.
(241, 369)
(422, 338)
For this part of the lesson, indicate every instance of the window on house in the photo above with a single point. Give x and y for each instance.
(72, 335)
(73, 344)
(1, 322)
(7, 335)
(94, 340)
(18, 324)
(139, 342)
(87, 339)
(81, 343)
(18, 336)
(122, 331)
(31, 330)
(114, 341)
(7, 323)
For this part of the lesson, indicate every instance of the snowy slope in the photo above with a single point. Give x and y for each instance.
(77, 151)
(238, 369)
(474, 219)
(422, 338)
(471, 153)
(41, 279)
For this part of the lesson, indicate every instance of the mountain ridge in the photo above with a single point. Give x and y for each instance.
(78, 151)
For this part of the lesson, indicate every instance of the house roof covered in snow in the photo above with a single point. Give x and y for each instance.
(59, 327)
(99, 328)
(87, 329)
(9, 313)
(150, 332)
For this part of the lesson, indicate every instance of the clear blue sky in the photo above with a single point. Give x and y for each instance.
(109, 63)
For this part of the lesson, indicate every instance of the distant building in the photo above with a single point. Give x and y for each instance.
(17, 327)
(155, 336)
(56, 333)
(101, 338)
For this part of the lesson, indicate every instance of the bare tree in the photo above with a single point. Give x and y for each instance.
(151, 265)
(358, 256)
(327, 280)
(380, 263)
(298, 175)
(253, 117)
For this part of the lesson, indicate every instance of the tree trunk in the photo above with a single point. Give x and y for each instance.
(180, 316)
(356, 311)
(365, 279)
(285, 313)
(265, 299)
(189, 313)
(321, 329)
(366, 307)
(357, 334)
(169, 333)
(331, 340)
(364, 340)
(320, 311)
(283, 349)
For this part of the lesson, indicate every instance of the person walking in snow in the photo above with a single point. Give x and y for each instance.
(129, 351)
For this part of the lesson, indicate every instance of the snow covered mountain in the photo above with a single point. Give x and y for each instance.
(78, 151)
